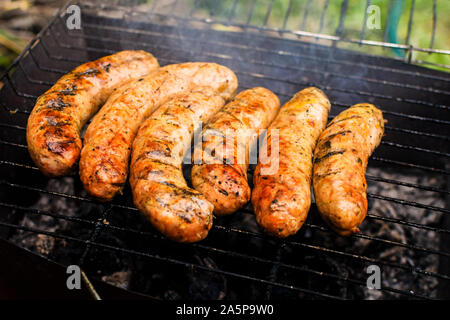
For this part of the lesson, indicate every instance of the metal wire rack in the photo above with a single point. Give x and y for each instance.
(237, 260)
(300, 19)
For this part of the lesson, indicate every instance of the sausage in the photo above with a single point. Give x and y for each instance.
(340, 162)
(282, 196)
(108, 139)
(54, 125)
(159, 189)
(220, 164)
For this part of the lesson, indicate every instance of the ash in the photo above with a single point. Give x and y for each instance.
(51, 215)
(41, 243)
(394, 277)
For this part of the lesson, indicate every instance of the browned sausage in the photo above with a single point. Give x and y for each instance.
(108, 139)
(222, 175)
(159, 189)
(282, 194)
(340, 162)
(53, 130)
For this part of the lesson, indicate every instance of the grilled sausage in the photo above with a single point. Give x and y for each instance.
(53, 130)
(281, 199)
(340, 162)
(222, 174)
(159, 189)
(108, 139)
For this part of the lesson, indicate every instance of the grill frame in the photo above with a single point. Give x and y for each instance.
(98, 225)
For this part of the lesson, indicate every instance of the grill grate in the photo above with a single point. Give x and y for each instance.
(408, 175)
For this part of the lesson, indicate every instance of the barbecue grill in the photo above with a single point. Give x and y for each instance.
(406, 232)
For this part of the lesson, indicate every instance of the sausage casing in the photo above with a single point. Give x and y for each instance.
(222, 174)
(108, 139)
(54, 125)
(159, 189)
(281, 199)
(340, 162)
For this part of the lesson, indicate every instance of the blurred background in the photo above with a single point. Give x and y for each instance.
(20, 20)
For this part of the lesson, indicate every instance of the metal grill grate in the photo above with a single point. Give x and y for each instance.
(407, 176)
(312, 21)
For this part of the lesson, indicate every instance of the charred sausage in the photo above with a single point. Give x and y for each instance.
(108, 139)
(53, 130)
(340, 162)
(282, 194)
(159, 189)
(221, 174)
